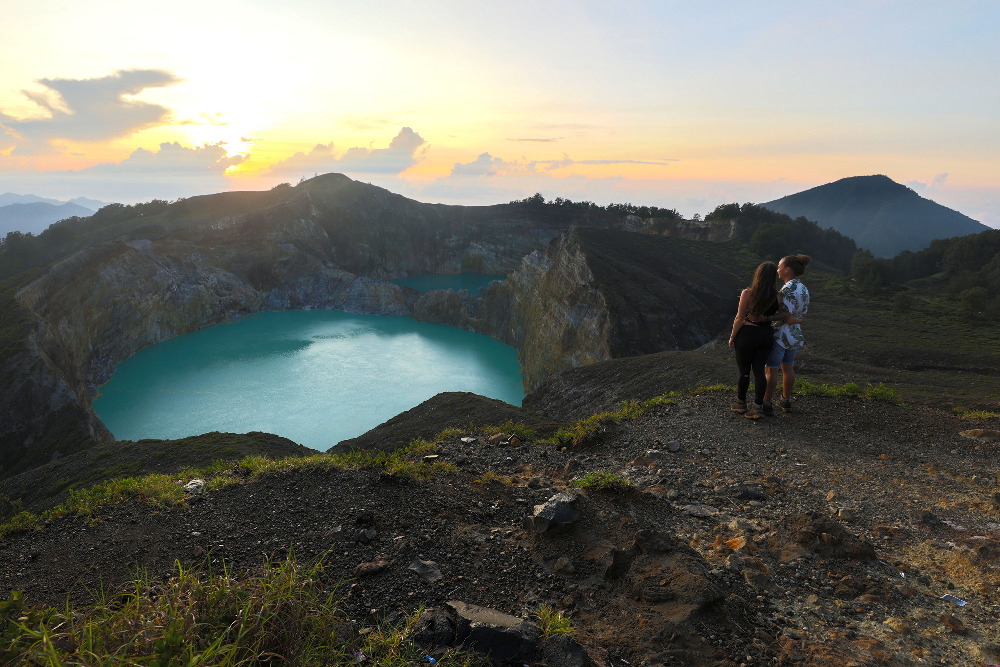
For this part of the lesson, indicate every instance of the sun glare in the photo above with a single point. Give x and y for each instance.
(240, 146)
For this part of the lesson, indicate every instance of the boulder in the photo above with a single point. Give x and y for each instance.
(362, 570)
(493, 633)
(561, 650)
(434, 628)
(557, 511)
(470, 627)
(427, 570)
(196, 485)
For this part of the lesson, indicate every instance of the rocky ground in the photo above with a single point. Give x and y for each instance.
(827, 536)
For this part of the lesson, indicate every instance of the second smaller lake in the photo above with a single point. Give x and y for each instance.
(428, 282)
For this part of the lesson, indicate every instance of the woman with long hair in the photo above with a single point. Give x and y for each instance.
(753, 338)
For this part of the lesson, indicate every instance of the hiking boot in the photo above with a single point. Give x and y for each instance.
(754, 411)
(739, 406)
(767, 409)
(786, 404)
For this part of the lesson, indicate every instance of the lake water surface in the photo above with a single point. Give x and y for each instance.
(432, 281)
(316, 377)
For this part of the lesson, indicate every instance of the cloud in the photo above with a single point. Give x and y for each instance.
(168, 173)
(89, 110)
(484, 165)
(400, 155)
(490, 179)
(217, 119)
(7, 138)
(488, 165)
(566, 162)
(939, 181)
(172, 159)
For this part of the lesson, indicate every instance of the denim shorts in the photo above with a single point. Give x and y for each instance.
(779, 356)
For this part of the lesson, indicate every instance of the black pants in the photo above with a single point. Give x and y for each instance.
(753, 346)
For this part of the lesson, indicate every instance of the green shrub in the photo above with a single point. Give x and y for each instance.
(708, 389)
(490, 477)
(902, 303)
(449, 434)
(973, 303)
(602, 480)
(878, 392)
(512, 428)
(552, 622)
(586, 430)
(965, 413)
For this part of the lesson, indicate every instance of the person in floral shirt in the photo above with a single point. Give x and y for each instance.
(788, 337)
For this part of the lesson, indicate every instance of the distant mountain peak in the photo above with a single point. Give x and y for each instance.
(880, 214)
(35, 217)
(8, 198)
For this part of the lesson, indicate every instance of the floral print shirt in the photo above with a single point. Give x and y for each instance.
(796, 297)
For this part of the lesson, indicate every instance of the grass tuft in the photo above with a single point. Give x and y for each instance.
(966, 413)
(166, 490)
(588, 429)
(511, 427)
(490, 477)
(602, 480)
(877, 392)
(449, 434)
(719, 387)
(284, 613)
(552, 622)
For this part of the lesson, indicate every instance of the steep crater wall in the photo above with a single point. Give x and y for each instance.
(104, 303)
(328, 243)
(571, 298)
(597, 294)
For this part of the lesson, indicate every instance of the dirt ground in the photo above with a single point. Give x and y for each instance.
(848, 532)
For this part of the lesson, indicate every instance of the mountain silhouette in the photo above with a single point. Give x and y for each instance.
(878, 213)
(34, 217)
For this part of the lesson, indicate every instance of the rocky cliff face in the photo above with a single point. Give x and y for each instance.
(104, 303)
(328, 243)
(595, 294)
(549, 309)
(333, 243)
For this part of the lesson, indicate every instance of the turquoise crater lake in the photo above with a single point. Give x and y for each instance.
(316, 377)
(427, 282)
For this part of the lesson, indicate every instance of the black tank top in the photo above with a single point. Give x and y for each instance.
(771, 310)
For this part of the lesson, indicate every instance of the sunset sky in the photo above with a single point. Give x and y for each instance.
(676, 104)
